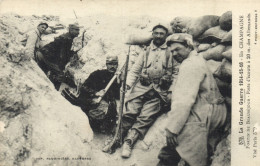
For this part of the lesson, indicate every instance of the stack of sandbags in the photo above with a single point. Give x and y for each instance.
(213, 40)
(194, 26)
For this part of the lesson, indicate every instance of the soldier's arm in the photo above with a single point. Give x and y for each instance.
(30, 45)
(135, 71)
(90, 83)
(184, 95)
(174, 68)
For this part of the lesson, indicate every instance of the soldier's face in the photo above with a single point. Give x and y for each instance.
(42, 28)
(74, 32)
(112, 66)
(179, 51)
(159, 36)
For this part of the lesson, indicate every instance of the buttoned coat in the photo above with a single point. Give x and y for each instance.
(159, 63)
(197, 109)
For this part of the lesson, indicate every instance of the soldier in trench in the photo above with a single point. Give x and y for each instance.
(149, 87)
(102, 116)
(32, 43)
(198, 110)
(53, 57)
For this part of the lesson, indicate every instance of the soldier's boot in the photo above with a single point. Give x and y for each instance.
(110, 146)
(129, 142)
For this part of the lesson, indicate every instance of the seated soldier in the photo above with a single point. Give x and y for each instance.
(149, 83)
(53, 57)
(102, 116)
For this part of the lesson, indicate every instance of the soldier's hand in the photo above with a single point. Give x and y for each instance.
(171, 138)
(95, 101)
(100, 93)
(118, 77)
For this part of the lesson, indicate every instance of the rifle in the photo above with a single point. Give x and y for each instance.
(109, 84)
(117, 139)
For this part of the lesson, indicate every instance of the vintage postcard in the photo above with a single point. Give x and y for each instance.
(129, 83)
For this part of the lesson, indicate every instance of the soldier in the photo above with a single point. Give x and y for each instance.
(34, 38)
(197, 108)
(53, 57)
(102, 115)
(148, 85)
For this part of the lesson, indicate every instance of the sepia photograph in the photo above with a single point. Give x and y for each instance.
(129, 83)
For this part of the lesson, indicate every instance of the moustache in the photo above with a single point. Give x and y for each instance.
(112, 68)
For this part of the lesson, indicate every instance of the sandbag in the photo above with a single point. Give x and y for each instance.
(224, 72)
(203, 47)
(228, 53)
(224, 87)
(139, 39)
(194, 26)
(214, 34)
(213, 53)
(213, 65)
(225, 21)
(180, 24)
(227, 38)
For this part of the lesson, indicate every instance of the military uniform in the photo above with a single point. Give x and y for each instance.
(143, 103)
(197, 110)
(97, 81)
(33, 43)
(59, 51)
(54, 56)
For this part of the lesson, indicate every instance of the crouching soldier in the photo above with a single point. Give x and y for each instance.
(102, 115)
(34, 39)
(148, 84)
(197, 108)
(53, 57)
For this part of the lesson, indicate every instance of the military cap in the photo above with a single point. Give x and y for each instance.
(111, 58)
(161, 26)
(180, 38)
(74, 26)
(43, 23)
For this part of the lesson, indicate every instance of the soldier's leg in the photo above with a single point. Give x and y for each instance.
(147, 116)
(133, 109)
(109, 122)
(149, 113)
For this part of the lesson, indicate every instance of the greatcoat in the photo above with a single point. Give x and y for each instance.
(197, 109)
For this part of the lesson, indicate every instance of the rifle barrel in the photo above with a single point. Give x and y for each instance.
(109, 84)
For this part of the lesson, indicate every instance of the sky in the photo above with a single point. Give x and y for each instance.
(164, 9)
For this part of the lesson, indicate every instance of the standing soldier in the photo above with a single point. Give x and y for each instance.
(197, 108)
(148, 83)
(53, 57)
(34, 39)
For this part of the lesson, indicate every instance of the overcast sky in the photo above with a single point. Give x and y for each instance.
(166, 9)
